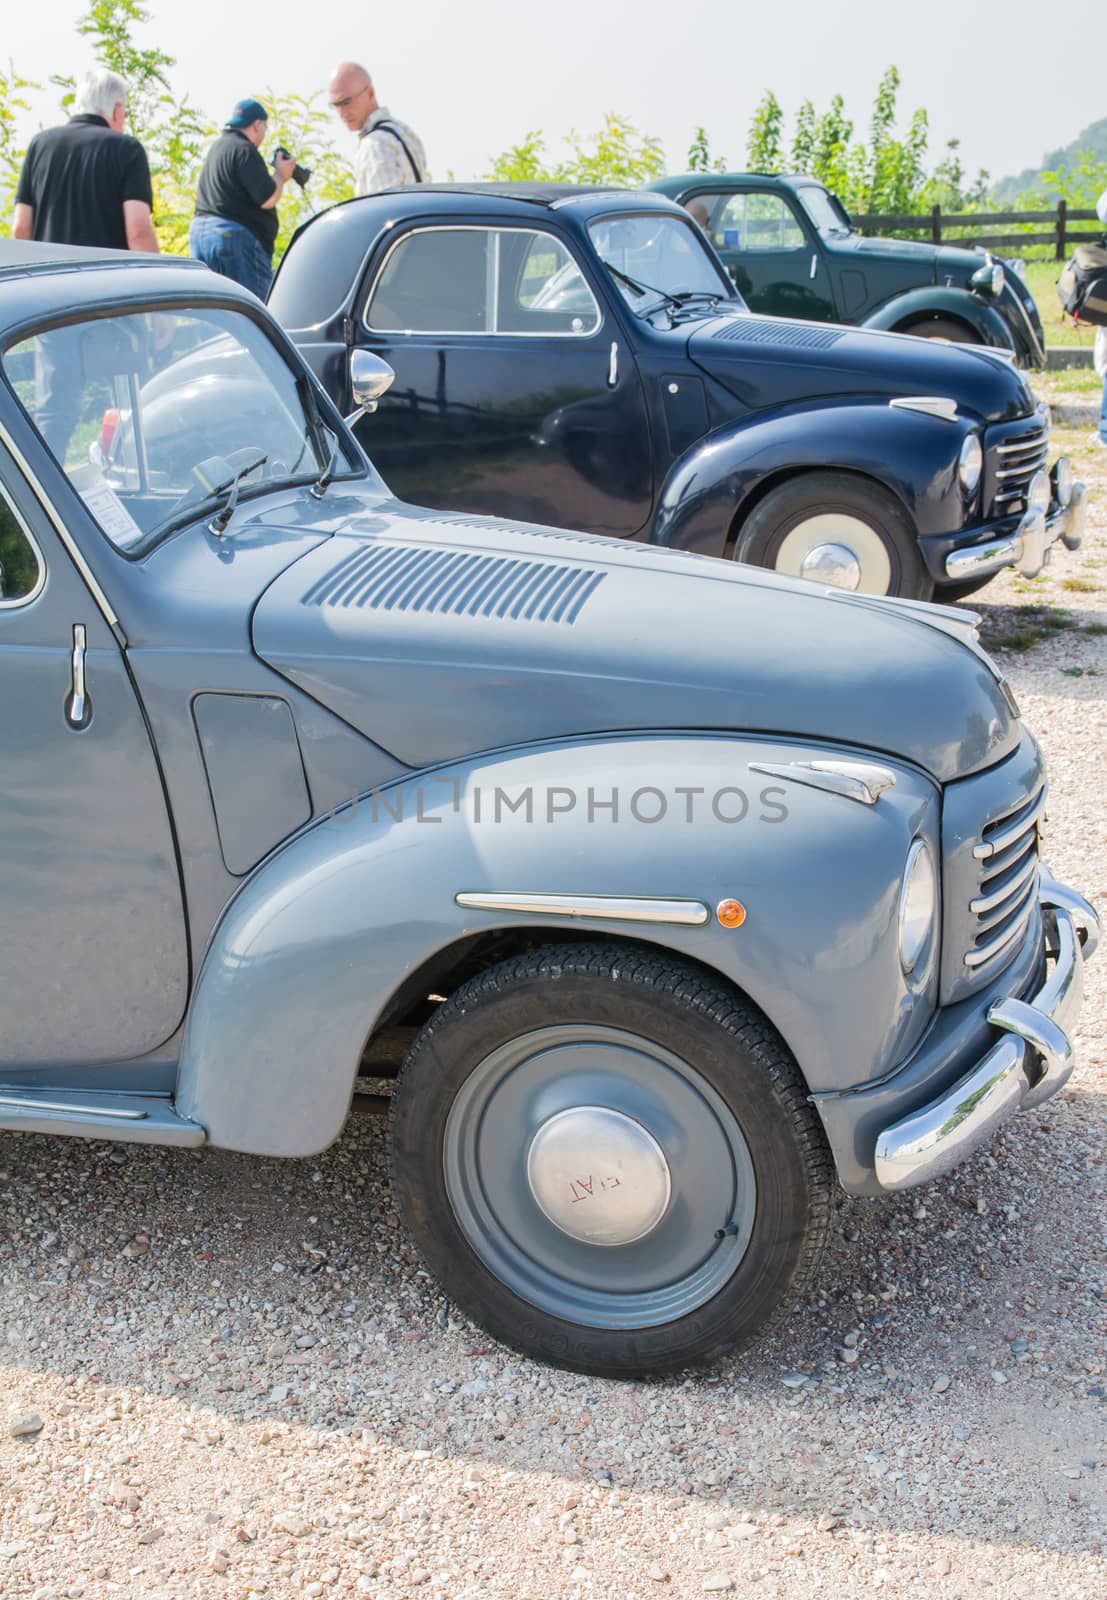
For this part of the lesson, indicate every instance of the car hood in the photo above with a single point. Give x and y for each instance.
(439, 636)
(789, 361)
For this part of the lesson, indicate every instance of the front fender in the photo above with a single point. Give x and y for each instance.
(317, 942)
(721, 476)
(943, 301)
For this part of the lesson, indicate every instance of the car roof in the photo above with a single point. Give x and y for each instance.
(47, 280)
(27, 255)
(323, 263)
(683, 181)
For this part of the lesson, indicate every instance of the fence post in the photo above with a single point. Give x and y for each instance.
(1062, 217)
(936, 224)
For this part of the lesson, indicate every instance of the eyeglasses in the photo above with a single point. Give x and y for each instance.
(348, 99)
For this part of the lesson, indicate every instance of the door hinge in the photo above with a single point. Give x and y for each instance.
(348, 331)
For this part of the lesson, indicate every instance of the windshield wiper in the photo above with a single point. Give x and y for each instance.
(218, 523)
(639, 288)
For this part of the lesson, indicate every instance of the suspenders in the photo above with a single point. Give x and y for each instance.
(388, 127)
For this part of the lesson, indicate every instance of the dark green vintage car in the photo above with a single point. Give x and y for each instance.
(793, 251)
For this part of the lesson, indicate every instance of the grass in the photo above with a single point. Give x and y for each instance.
(1020, 628)
(1080, 585)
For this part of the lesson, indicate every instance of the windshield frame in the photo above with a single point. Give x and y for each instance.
(661, 297)
(842, 229)
(174, 302)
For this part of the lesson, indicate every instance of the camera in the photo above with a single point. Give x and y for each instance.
(301, 174)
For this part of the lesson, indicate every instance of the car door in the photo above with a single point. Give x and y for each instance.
(515, 394)
(770, 251)
(93, 961)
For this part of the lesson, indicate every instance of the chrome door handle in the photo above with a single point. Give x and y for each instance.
(613, 366)
(78, 707)
(814, 265)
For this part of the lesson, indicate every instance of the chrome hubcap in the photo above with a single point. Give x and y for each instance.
(832, 563)
(839, 549)
(599, 1176)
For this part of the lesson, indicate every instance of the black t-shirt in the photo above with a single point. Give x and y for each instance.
(235, 183)
(75, 179)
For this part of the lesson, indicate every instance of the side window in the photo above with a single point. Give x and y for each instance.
(542, 290)
(754, 222)
(481, 280)
(20, 566)
(435, 281)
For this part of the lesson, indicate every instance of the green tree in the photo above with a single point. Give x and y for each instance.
(616, 154)
(700, 158)
(804, 138)
(765, 146)
(12, 103)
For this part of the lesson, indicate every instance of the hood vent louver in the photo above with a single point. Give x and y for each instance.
(798, 334)
(458, 583)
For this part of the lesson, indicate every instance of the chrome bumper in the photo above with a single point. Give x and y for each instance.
(1028, 546)
(1029, 1064)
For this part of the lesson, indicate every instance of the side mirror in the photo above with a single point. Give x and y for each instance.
(370, 377)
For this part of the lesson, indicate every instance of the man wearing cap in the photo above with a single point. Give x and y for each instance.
(236, 223)
(389, 153)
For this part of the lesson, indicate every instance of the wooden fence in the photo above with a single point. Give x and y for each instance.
(938, 224)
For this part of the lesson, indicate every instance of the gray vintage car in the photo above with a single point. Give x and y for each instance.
(685, 888)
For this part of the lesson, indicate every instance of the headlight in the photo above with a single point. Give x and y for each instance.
(989, 279)
(970, 464)
(1039, 492)
(1062, 480)
(918, 903)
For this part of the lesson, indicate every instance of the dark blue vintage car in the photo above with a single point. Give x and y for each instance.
(582, 358)
(793, 251)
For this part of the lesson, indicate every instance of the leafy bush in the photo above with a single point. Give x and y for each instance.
(616, 154)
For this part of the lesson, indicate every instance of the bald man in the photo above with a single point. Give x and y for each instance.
(389, 153)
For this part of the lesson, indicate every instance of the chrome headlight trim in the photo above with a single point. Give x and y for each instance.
(918, 908)
(970, 464)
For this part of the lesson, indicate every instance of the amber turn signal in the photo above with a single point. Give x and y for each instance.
(731, 913)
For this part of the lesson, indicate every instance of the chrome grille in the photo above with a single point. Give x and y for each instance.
(1008, 887)
(1014, 453)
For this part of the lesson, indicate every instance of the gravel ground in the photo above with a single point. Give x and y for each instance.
(227, 1377)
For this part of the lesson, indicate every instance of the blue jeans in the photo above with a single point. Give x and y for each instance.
(231, 249)
(1103, 415)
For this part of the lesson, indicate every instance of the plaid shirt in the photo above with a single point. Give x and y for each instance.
(380, 162)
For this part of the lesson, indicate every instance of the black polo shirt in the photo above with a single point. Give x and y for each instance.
(75, 179)
(235, 183)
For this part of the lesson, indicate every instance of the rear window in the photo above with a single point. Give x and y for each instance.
(320, 267)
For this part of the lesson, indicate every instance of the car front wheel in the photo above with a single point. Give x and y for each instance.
(609, 1160)
(839, 530)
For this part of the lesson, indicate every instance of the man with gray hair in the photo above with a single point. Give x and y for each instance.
(88, 182)
(389, 153)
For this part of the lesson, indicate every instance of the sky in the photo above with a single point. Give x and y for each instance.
(474, 76)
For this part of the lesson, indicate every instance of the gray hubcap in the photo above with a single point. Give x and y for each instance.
(599, 1176)
(627, 1186)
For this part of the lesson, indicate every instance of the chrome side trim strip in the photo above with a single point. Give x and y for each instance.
(686, 913)
(25, 1103)
(60, 528)
(931, 405)
(864, 781)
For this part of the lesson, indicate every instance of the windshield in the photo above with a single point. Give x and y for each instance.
(662, 256)
(826, 212)
(153, 414)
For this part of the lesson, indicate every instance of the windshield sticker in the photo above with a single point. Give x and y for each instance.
(109, 511)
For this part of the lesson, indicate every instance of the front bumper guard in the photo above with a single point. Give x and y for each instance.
(1028, 546)
(1032, 1061)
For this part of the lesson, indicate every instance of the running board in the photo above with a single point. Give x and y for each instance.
(135, 1118)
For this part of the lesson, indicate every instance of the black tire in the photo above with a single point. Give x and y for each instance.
(772, 529)
(946, 329)
(722, 1064)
